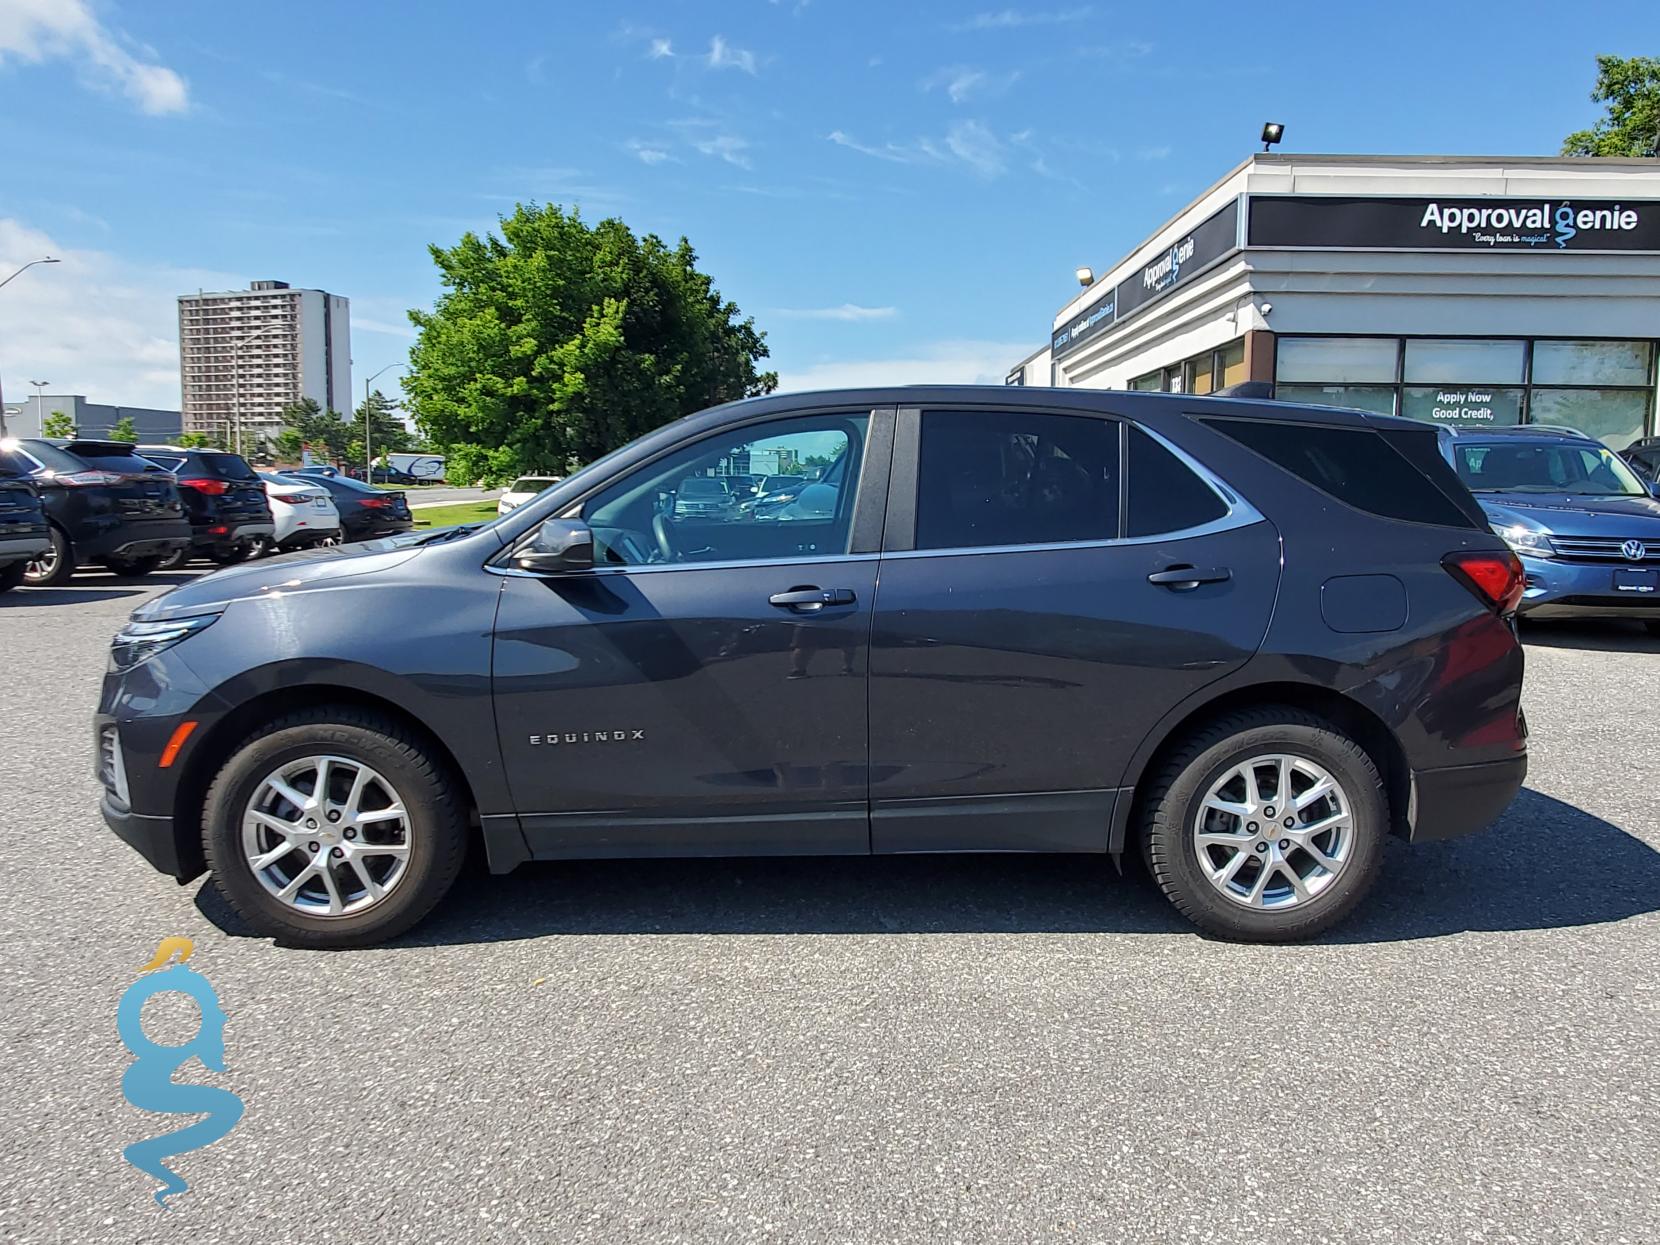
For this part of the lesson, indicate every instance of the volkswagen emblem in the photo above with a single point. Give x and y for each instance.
(1633, 550)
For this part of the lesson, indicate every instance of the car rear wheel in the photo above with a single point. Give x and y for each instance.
(175, 560)
(134, 566)
(1267, 826)
(334, 828)
(53, 567)
(11, 575)
(229, 555)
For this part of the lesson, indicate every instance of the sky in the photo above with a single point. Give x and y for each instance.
(896, 192)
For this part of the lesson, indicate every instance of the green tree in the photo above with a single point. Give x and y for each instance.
(307, 423)
(387, 433)
(560, 340)
(58, 424)
(1630, 86)
(125, 430)
(193, 440)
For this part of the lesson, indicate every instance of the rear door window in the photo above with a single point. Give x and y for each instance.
(173, 462)
(991, 478)
(1165, 495)
(227, 466)
(111, 458)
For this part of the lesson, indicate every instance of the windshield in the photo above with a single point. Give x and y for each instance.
(530, 484)
(1582, 470)
(700, 486)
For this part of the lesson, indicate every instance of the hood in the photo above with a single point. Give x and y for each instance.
(1569, 514)
(289, 572)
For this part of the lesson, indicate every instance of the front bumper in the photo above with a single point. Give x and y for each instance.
(151, 837)
(1462, 799)
(1560, 589)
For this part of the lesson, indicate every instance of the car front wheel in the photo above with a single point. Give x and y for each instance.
(334, 828)
(1267, 826)
(134, 567)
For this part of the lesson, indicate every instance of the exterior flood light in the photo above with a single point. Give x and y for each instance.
(1271, 134)
(1086, 276)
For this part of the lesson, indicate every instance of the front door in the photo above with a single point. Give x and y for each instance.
(702, 690)
(1065, 581)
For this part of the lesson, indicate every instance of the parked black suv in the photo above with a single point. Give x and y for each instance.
(1247, 639)
(104, 503)
(224, 497)
(24, 535)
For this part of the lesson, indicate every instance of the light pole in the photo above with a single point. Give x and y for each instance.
(44, 259)
(368, 457)
(40, 403)
(236, 375)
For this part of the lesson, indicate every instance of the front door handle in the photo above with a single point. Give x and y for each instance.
(810, 600)
(1181, 578)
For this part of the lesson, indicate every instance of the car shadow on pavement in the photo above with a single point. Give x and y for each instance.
(65, 596)
(1599, 635)
(1500, 880)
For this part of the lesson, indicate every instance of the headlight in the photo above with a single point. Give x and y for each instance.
(1527, 541)
(138, 641)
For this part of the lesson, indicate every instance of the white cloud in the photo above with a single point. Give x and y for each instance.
(888, 151)
(728, 147)
(963, 82)
(35, 31)
(1153, 153)
(724, 56)
(649, 153)
(847, 311)
(1008, 19)
(977, 147)
(384, 328)
(964, 362)
(661, 49)
(94, 324)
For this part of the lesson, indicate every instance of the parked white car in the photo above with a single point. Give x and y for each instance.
(523, 489)
(304, 513)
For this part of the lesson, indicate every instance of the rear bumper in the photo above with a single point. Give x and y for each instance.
(22, 548)
(1462, 799)
(131, 540)
(1558, 589)
(233, 533)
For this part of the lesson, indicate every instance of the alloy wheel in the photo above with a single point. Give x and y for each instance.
(1274, 831)
(326, 835)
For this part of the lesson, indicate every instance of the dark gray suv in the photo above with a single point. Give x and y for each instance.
(1246, 639)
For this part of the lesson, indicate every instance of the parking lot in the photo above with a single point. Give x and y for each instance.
(933, 1048)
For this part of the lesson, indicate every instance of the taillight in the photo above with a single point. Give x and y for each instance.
(213, 488)
(376, 503)
(88, 479)
(1497, 578)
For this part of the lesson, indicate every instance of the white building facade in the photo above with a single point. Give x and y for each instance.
(246, 354)
(1461, 290)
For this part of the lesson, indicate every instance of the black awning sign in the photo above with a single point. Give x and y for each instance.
(1357, 222)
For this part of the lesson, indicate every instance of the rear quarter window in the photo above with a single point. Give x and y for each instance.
(1360, 467)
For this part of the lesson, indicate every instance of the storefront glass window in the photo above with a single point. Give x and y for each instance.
(1463, 406)
(1153, 382)
(1233, 363)
(1454, 361)
(1379, 398)
(1614, 416)
(1591, 363)
(1336, 359)
(1202, 372)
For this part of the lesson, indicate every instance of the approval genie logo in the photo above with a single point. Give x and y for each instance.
(1529, 224)
(148, 1083)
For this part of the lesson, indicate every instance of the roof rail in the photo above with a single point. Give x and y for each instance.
(1561, 430)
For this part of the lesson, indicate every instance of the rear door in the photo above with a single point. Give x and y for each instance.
(244, 498)
(1051, 584)
(21, 513)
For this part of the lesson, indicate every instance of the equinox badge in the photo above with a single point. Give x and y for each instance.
(589, 737)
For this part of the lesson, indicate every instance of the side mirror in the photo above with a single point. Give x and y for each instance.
(560, 545)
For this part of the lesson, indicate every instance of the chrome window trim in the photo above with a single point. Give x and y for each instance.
(1225, 524)
(650, 568)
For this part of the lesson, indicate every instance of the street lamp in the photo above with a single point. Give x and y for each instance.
(40, 403)
(44, 259)
(368, 457)
(236, 375)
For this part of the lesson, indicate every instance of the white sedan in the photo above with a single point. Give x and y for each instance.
(304, 513)
(523, 489)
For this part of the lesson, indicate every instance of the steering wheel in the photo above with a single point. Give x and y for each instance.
(663, 533)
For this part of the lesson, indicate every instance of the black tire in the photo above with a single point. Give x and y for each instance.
(1174, 798)
(1653, 625)
(11, 575)
(133, 567)
(431, 793)
(58, 566)
(176, 560)
(229, 555)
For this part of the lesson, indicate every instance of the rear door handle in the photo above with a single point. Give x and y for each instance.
(809, 600)
(1180, 578)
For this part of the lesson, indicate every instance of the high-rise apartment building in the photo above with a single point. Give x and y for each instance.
(246, 354)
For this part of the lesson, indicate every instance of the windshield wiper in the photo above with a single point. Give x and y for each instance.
(448, 533)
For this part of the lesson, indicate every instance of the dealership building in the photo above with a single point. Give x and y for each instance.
(1474, 291)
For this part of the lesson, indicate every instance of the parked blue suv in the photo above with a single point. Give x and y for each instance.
(1585, 526)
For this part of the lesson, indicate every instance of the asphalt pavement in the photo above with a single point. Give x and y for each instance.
(943, 1049)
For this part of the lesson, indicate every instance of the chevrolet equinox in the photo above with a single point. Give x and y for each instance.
(1245, 639)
